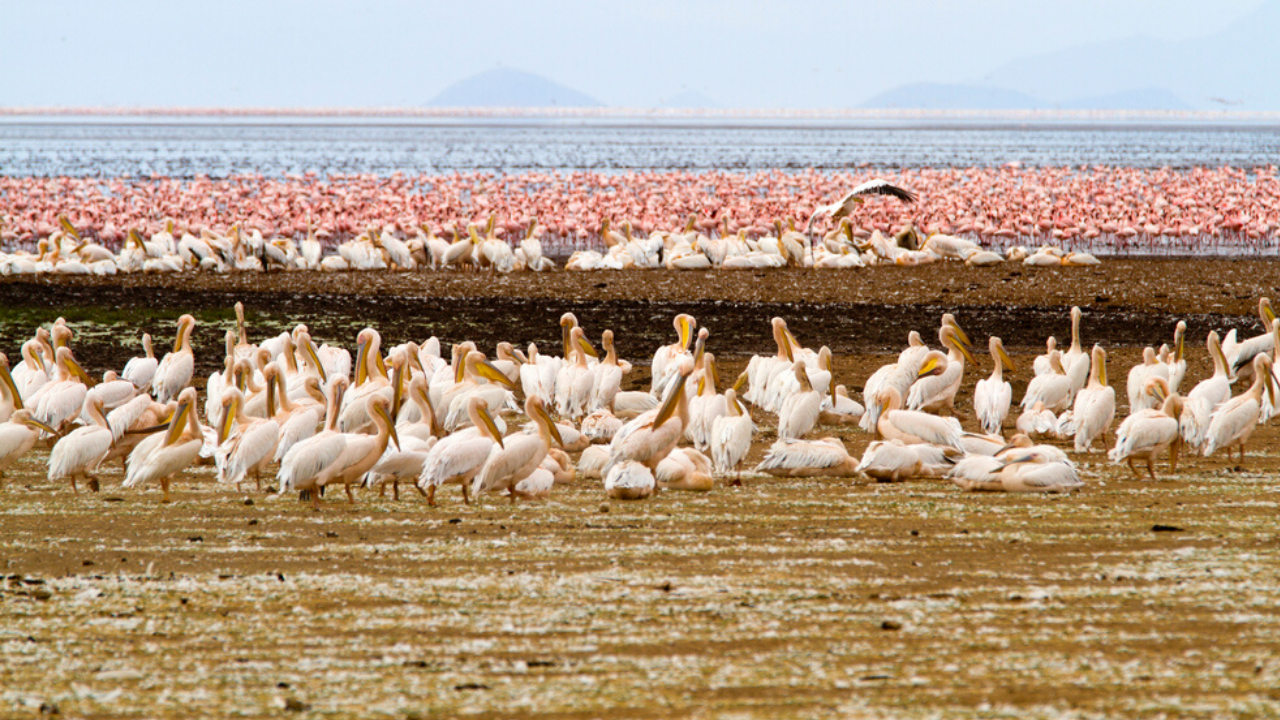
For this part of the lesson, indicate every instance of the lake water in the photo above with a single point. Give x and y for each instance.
(126, 146)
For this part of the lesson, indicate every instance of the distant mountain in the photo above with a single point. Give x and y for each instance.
(937, 96)
(687, 99)
(1144, 99)
(1231, 69)
(504, 87)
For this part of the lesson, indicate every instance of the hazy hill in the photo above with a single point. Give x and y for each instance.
(504, 87)
(938, 96)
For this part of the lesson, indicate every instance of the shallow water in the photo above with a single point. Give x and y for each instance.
(276, 146)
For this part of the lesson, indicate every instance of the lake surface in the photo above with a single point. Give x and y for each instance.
(127, 146)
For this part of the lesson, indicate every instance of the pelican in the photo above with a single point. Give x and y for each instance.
(666, 361)
(1033, 472)
(854, 197)
(1177, 361)
(1206, 396)
(1145, 434)
(1075, 361)
(400, 465)
(1240, 355)
(141, 370)
(1040, 366)
(731, 437)
(1234, 421)
(175, 370)
(993, 396)
(297, 421)
(61, 401)
(913, 362)
(1053, 390)
(460, 456)
(651, 435)
(575, 381)
(18, 434)
(519, 455)
(761, 370)
(10, 397)
(1038, 421)
(340, 457)
(600, 426)
(799, 412)
(1095, 404)
(705, 406)
(934, 392)
(840, 409)
(808, 458)
(911, 426)
(685, 469)
(298, 464)
(629, 480)
(890, 461)
(1138, 376)
(165, 455)
(252, 447)
(608, 375)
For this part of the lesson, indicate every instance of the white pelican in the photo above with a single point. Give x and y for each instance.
(30, 375)
(1040, 366)
(840, 409)
(339, 458)
(18, 434)
(460, 456)
(629, 480)
(731, 437)
(608, 375)
(652, 434)
(1138, 376)
(808, 458)
(518, 455)
(141, 370)
(61, 401)
(297, 421)
(1031, 472)
(175, 370)
(1234, 421)
(1205, 397)
(935, 392)
(165, 455)
(762, 369)
(575, 381)
(705, 406)
(854, 197)
(600, 426)
(1177, 361)
(685, 469)
(1145, 434)
(993, 396)
(397, 465)
(913, 362)
(890, 461)
(1095, 404)
(1053, 390)
(666, 361)
(1075, 361)
(10, 397)
(252, 446)
(1037, 421)
(297, 460)
(480, 379)
(1240, 354)
(799, 412)
(912, 426)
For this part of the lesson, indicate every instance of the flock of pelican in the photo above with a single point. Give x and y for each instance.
(410, 414)
(488, 247)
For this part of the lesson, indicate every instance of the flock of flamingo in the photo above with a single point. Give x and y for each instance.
(254, 222)
(412, 414)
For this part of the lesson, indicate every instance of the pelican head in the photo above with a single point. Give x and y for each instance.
(949, 320)
(379, 408)
(997, 352)
(684, 327)
(536, 409)
(232, 399)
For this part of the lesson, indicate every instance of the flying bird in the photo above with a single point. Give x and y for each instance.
(845, 205)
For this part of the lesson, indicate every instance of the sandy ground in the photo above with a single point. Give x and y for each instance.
(795, 598)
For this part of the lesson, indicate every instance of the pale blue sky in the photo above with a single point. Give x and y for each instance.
(748, 53)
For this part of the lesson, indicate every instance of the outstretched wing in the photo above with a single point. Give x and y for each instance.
(877, 186)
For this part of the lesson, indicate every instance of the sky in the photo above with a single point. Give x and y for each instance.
(742, 53)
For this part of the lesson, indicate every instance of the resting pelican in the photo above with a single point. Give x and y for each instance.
(1075, 361)
(1032, 472)
(629, 480)
(141, 370)
(911, 426)
(913, 362)
(518, 455)
(731, 437)
(993, 396)
(575, 381)
(1205, 397)
(808, 458)
(890, 461)
(60, 402)
(840, 409)
(460, 456)
(853, 198)
(799, 412)
(175, 370)
(761, 369)
(1040, 366)
(652, 434)
(18, 434)
(1234, 421)
(932, 393)
(1038, 421)
(706, 406)
(252, 447)
(1178, 360)
(1052, 390)
(1095, 404)
(1145, 434)
(165, 455)
(685, 469)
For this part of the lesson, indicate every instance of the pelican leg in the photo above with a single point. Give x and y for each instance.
(431, 495)
(351, 498)
(420, 491)
(1173, 455)
(75, 490)
(395, 490)
(1151, 467)
(164, 485)
(1134, 469)
(511, 492)
(466, 494)
(315, 500)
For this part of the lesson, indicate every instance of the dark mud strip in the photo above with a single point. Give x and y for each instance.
(738, 328)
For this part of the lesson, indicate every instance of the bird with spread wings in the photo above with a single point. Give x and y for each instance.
(845, 205)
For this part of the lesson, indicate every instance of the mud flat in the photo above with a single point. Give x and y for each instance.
(784, 598)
